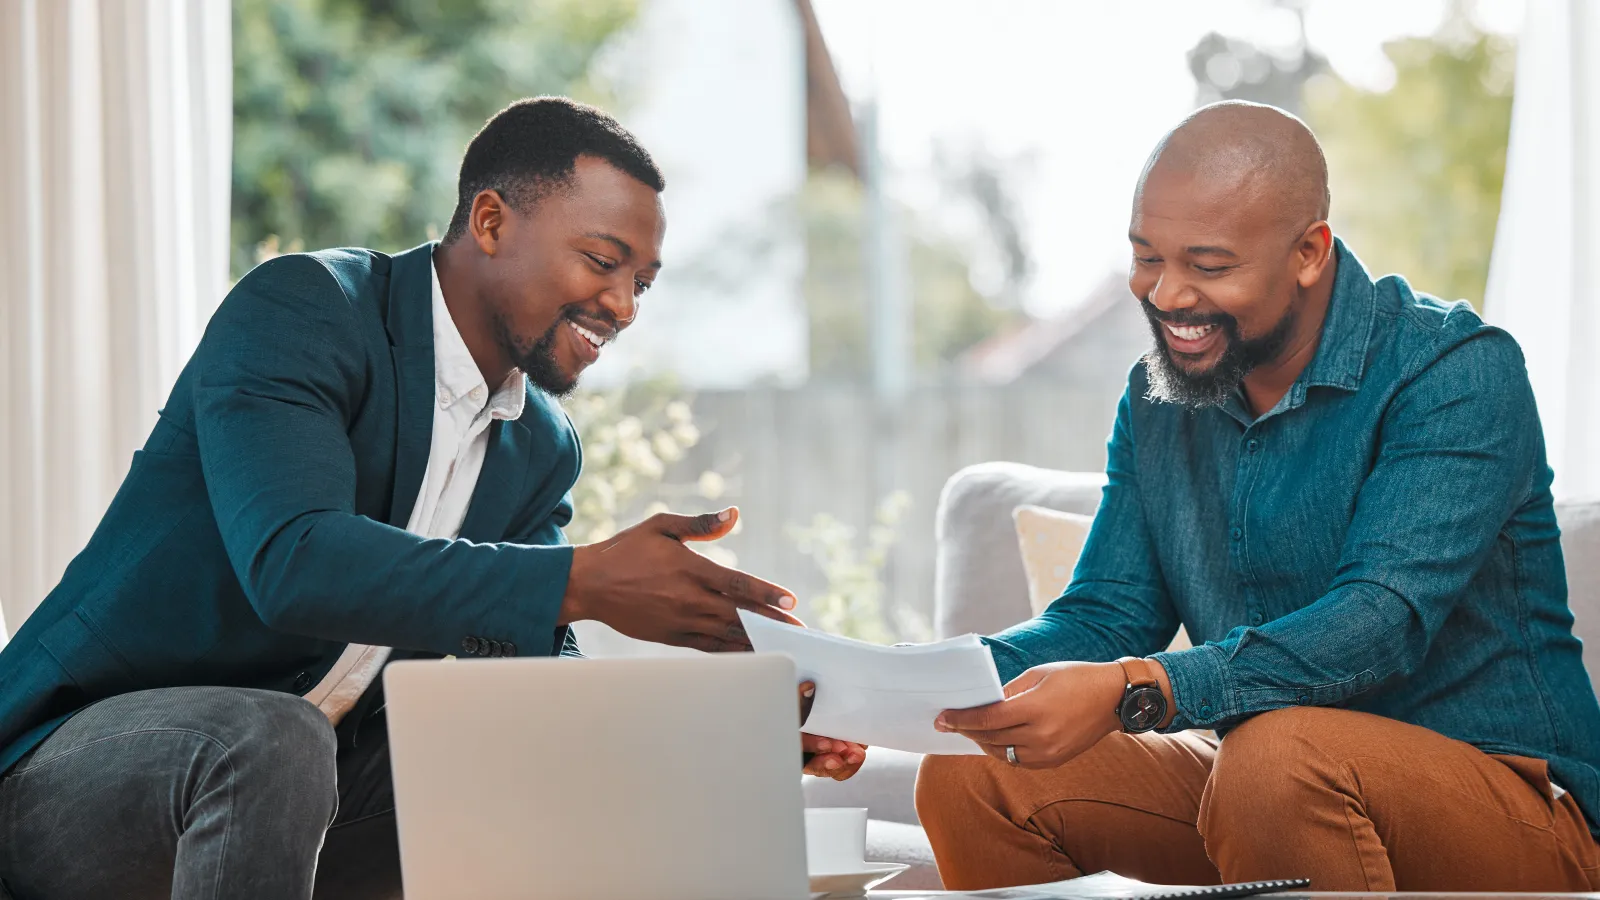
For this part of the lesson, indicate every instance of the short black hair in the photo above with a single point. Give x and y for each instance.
(531, 146)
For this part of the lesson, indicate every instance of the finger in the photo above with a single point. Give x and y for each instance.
(704, 527)
(1001, 737)
(742, 587)
(711, 643)
(996, 752)
(715, 614)
(825, 765)
(993, 717)
(1025, 682)
(808, 696)
(771, 612)
(726, 622)
(812, 743)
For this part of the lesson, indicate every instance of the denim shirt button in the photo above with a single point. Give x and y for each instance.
(1257, 618)
(1205, 711)
(1237, 533)
(1303, 699)
(1254, 445)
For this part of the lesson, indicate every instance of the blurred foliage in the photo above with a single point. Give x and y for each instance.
(1416, 170)
(949, 314)
(852, 604)
(350, 116)
(631, 435)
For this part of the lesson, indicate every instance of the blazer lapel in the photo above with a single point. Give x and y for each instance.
(494, 499)
(411, 333)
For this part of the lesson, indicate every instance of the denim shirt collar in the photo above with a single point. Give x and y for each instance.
(1341, 356)
(1347, 330)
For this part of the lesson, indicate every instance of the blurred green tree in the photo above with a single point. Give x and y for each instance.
(1416, 170)
(350, 116)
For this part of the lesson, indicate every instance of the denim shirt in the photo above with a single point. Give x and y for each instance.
(1382, 540)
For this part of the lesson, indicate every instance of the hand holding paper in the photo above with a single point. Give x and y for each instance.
(884, 696)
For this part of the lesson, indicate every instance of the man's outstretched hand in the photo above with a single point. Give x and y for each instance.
(646, 584)
(826, 757)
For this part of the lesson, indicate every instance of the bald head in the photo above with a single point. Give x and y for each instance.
(1255, 154)
(1232, 254)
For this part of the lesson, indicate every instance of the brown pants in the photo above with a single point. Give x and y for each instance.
(1352, 801)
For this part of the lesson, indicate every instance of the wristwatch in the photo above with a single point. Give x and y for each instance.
(1143, 706)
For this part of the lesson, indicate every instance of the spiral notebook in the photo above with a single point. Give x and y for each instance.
(1111, 886)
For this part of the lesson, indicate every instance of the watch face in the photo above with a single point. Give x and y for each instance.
(1143, 709)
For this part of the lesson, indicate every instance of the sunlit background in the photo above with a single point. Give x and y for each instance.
(896, 227)
(896, 241)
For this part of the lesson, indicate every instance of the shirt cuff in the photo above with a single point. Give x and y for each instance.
(1200, 688)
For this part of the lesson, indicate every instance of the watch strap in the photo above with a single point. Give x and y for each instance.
(1138, 672)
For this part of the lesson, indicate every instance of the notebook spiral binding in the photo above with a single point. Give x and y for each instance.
(1243, 889)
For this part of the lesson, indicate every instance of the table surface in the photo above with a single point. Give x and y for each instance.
(1297, 895)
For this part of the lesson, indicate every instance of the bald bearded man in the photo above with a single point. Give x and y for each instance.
(1338, 486)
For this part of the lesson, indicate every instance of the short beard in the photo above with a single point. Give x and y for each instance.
(1170, 383)
(536, 359)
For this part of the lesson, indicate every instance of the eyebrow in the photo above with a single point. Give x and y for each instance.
(621, 246)
(1200, 250)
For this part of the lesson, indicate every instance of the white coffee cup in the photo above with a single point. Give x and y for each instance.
(836, 840)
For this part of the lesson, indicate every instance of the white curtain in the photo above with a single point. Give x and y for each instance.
(115, 146)
(1542, 276)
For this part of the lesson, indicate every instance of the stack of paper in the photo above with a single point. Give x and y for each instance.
(884, 696)
(1111, 886)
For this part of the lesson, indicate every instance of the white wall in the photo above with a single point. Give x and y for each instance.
(715, 89)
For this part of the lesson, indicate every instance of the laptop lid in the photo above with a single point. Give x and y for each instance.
(598, 779)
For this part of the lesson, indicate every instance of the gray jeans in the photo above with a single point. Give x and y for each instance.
(200, 792)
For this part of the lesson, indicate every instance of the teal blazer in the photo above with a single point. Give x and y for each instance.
(262, 526)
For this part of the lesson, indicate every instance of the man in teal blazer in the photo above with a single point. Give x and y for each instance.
(296, 519)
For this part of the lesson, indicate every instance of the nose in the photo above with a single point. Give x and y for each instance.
(1171, 293)
(621, 304)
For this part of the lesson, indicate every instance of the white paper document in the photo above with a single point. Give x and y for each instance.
(884, 696)
(1108, 886)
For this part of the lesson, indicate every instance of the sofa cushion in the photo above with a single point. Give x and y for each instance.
(1580, 545)
(885, 786)
(1050, 541)
(979, 585)
(897, 842)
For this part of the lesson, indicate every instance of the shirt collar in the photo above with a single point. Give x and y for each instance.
(1347, 329)
(456, 373)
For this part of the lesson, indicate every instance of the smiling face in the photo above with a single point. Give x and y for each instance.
(1218, 278)
(562, 280)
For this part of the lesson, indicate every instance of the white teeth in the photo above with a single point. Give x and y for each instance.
(588, 335)
(1189, 332)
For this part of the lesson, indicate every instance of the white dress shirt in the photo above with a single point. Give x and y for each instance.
(462, 413)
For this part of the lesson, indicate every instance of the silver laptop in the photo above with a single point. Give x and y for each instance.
(669, 779)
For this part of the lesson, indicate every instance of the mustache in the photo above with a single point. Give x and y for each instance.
(1187, 317)
(600, 321)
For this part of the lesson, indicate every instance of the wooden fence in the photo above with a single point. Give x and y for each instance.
(791, 454)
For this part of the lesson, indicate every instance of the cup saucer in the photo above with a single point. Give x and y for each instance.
(854, 884)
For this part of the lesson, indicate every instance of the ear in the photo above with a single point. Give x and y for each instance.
(487, 218)
(1312, 253)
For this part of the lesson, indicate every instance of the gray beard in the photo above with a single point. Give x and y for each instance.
(1203, 390)
(1169, 383)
